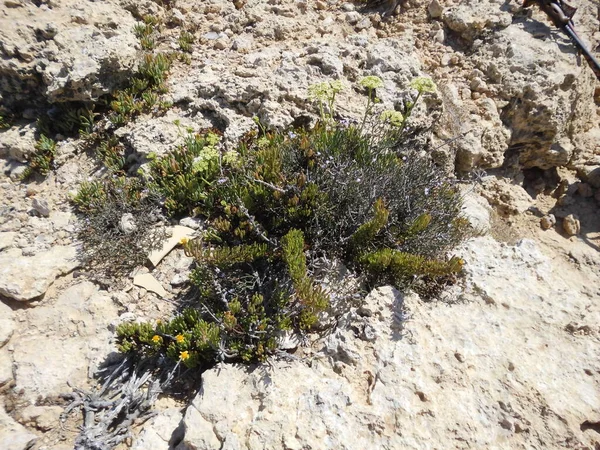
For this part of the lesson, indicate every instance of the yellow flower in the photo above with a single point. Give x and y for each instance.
(184, 241)
(156, 338)
(179, 338)
(184, 355)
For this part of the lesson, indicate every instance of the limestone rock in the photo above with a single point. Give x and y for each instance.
(547, 221)
(507, 197)
(585, 190)
(7, 239)
(41, 206)
(195, 223)
(17, 142)
(25, 278)
(14, 436)
(160, 432)
(571, 225)
(62, 341)
(435, 10)
(157, 135)
(477, 211)
(76, 52)
(6, 366)
(472, 17)
(7, 324)
(44, 418)
(591, 174)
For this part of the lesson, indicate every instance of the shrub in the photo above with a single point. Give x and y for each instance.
(184, 177)
(117, 228)
(283, 201)
(4, 122)
(185, 41)
(42, 160)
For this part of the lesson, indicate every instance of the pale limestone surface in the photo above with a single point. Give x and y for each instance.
(14, 436)
(160, 432)
(7, 324)
(24, 278)
(61, 341)
(68, 50)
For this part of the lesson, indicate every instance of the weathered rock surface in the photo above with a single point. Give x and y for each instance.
(521, 99)
(7, 324)
(472, 374)
(508, 198)
(25, 278)
(6, 373)
(571, 225)
(62, 341)
(470, 18)
(14, 436)
(17, 142)
(160, 432)
(66, 51)
(489, 372)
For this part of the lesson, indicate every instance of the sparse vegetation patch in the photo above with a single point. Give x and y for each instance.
(280, 203)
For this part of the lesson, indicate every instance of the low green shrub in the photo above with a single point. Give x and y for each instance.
(185, 41)
(281, 202)
(41, 160)
(184, 176)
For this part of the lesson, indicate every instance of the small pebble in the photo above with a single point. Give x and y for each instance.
(41, 206)
(571, 225)
(547, 222)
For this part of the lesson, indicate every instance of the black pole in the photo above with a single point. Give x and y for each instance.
(593, 62)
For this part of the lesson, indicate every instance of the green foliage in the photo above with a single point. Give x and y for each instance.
(225, 257)
(324, 94)
(185, 41)
(108, 247)
(111, 153)
(143, 93)
(365, 233)
(280, 202)
(185, 175)
(400, 267)
(42, 160)
(151, 20)
(154, 68)
(68, 119)
(187, 338)
(310, 295)
(4, 122)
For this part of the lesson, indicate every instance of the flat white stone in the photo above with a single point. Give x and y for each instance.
(179, 232)
(148, 282)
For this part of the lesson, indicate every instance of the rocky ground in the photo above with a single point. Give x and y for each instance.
(508, 358)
